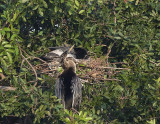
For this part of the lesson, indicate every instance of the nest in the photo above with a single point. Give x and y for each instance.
(97, 69)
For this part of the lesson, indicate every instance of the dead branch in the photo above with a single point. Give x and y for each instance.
(46, 71)
(119, 63)
(101, 67)
(101, 79)
(33, 57)
(113, 68)
(29, 65)
(109, 79)
(114, 11)
(7, 88)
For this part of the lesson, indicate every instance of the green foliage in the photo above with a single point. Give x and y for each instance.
(130, 30)
(76, 118)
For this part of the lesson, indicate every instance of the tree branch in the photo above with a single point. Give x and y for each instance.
(29, 65)
(7, 88)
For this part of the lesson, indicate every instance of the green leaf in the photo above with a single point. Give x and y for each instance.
(55, 9)
(88, 119)
(81, 11)
(70, 12)
(158, 80)
(10, 50)
(13, 37)
(77, 3)
(3, 62)
(6, 29)
(40, 79)
(24, 19)
(98, 112)
(5, 42)
(8, 35)
(41, 107)
(67, 120)
(118, 38)
(100, 1)
(14, 17)
(36, 7)
(62, 1)
(0, 37)
(66, 111)
(9, 57)
(85, 114)
(23, 1)
(48, 113)
(153, 121)
(40, 11)
(45, 4)
(8, 46)
(80, 113)
(16, 50)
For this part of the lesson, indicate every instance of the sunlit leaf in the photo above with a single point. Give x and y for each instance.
(45, 4)
(24, 1)
(36, 7)
(8, 46)
(9, 57)
(85, 114)
(40, 11)
(67, 120)
(77, 3)
(62, 1)
(81, 11)
(88, 118)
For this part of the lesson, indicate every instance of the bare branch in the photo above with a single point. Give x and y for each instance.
(7, 88)
(29, 64)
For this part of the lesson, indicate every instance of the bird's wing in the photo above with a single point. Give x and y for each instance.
(59, 89)
(77, 91)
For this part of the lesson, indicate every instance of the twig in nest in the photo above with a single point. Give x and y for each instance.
(44, 64)
(100, 79)
(45, 71)
(102, 67)
(109, 79)
(113, 68)
(119, 63)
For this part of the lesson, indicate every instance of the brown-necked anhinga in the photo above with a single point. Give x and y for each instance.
(68, 86)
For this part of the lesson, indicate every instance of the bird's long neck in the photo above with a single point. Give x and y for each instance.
(69, 65)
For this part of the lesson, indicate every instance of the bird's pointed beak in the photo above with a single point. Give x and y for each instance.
(70, 49)
(64, 55)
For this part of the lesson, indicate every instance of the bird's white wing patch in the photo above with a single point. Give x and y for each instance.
(77, 91)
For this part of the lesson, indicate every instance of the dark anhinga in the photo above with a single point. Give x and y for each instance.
(68, 86)
(56, 52)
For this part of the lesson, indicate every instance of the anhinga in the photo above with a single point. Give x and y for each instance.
(68, 86)
(56, 52)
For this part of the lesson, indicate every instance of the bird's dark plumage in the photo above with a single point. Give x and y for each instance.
(69, 89)
(68, 86)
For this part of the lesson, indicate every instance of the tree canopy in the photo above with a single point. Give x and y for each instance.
(126, 32)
